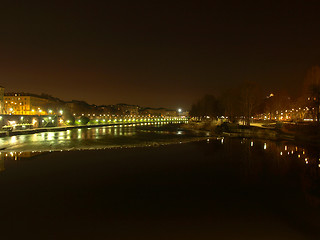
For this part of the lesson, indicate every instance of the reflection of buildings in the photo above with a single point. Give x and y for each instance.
(26, 104)
(15, 156)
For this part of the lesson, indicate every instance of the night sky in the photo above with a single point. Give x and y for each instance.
(155, 53)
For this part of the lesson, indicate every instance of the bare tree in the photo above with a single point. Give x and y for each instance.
(209, 105)
(312, 90)
(277, 102)
(230, 100)
(249, 99)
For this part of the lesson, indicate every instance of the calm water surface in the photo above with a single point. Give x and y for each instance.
(143, 134)
(218, 188)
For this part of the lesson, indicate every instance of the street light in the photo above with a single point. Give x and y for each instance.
(179, 111)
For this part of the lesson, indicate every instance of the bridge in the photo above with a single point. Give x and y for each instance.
(25, 124)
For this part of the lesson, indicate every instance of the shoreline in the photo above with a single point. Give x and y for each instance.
(239, 131)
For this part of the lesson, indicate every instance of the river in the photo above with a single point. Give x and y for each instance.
(157, 182)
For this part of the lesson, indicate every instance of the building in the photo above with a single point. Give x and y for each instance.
(78, 107)
(160, 112)
(126, 109)
(1, 100)
(26, 104)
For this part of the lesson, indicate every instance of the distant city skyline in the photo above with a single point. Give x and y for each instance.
(45, 95)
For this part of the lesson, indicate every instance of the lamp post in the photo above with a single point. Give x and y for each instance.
(179, 112)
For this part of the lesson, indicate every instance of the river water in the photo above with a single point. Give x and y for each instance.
(143, 134)
(157, 182)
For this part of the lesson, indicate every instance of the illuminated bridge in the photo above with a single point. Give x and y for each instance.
(23, 124)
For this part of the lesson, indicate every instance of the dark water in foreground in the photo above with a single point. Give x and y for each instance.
(215, 189)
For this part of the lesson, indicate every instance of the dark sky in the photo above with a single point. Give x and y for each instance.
(155, 53)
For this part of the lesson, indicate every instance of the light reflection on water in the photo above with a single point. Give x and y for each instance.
(24, 146)
(281, 158)
(258, 176)
(84, 138)
(282, 151)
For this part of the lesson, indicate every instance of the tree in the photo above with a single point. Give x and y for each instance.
(230, 100)
(68, 118)
(209, 105)
(84, 120)
(277, 102)
(249, 99)
(312, 91)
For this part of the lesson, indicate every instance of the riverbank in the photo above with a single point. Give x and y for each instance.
(303, 133)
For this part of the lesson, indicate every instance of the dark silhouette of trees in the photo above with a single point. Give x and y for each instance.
(234, 103)
(230, 100)
(241, 101)
(84, 120)
(68, 118)
(277, 102)
(250, 98)
(312, 91)
(209, 105)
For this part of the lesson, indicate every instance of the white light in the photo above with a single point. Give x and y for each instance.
(12, 123)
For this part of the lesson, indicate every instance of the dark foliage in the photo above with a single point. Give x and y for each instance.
(209, 105)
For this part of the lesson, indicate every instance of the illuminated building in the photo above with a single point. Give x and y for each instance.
(25, 104)
(1, 100)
